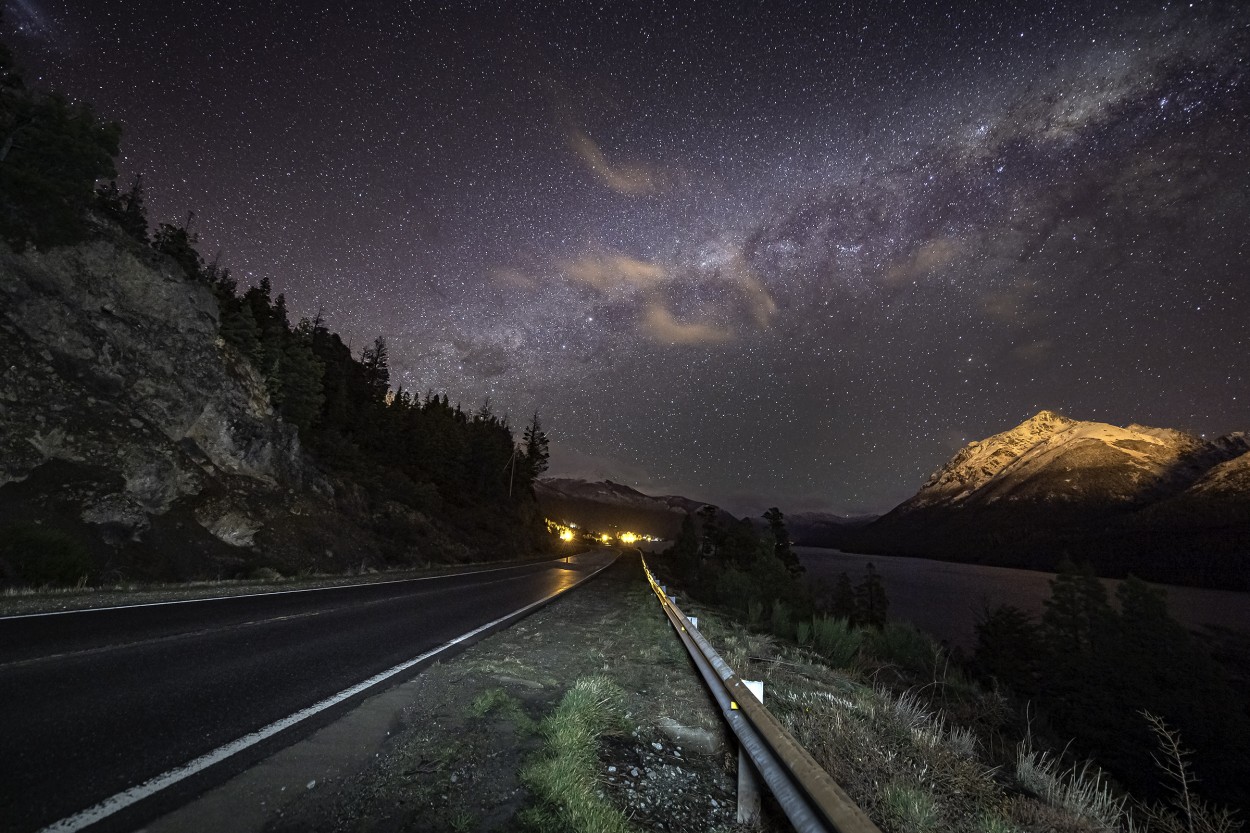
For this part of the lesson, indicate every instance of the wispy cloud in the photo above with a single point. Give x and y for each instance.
(622, 178)
(612, 272)
(926, 259)
(663, 327)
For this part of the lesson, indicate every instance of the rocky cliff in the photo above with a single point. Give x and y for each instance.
(129, 426)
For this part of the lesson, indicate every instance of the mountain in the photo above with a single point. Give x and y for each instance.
(605, 506)
(823, 529)
(1158, 502)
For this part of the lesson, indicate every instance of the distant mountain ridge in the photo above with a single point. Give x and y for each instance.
(1154, 501)
(607, 506)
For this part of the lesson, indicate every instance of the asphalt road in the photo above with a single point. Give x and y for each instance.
(95, 703)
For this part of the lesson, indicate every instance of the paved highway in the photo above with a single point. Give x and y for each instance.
(112, 716)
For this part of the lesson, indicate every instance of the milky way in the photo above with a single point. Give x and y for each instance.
(752, 253)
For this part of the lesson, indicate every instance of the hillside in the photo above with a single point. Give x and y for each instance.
(1153, 501)
(137, 443)
(606, 506)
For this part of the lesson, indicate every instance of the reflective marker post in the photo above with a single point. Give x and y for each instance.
(748, 777)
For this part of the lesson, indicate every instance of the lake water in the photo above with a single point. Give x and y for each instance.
(944, 598)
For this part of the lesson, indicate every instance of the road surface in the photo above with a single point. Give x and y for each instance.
(101, 711)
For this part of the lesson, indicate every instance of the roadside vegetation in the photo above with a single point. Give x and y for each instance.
(928, 741)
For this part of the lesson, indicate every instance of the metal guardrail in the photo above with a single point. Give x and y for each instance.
(811, 800)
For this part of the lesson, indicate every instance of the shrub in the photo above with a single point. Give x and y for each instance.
(902, 644)
(37, 556)
(836, 640)
(782, 619)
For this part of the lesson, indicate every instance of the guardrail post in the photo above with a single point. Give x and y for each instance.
(694, 621)
(748, 778)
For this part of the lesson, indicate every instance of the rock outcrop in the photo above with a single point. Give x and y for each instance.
(124, 418)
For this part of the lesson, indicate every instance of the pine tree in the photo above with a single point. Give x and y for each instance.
(238, 329)
(301, 380)
(781, 541)
(844, 599)
(871, 604)
(713, 536)
(1009, 648)
(375, 362)
(1077, 614)
(127, 210)
(52, 154)
(178, 242)
(537, 451)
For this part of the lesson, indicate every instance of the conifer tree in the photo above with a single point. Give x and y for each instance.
(127, 210)
(844, 599)
(781, 541)
(179, 243)
(377, 373)
(52, 154)
(1009, 648)
(238, 329)
(1077, 614)
(537, 451)
(713, 536)
(871, 604)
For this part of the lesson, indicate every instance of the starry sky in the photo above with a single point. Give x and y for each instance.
(760, 253)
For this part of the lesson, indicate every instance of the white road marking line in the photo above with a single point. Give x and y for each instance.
(124, 799)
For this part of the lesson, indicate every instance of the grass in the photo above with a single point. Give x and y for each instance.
(564, 776)
(898, 728)
(499, 702)
(836, 640)
(1081, 790)
(909, 809)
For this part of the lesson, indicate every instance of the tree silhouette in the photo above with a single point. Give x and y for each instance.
(537, 450)
(781, 541)
(127, 210)
(871, 604)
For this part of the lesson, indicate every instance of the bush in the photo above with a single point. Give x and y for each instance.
(782, 619)
(34, 555)
(903, 645)
(836, 640)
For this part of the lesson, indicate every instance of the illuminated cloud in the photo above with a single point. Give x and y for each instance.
(624, 179)
(928, 258)
(612, 272)
(660, 324)
(761, 303)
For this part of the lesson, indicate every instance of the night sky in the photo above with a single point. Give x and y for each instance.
(753, 253)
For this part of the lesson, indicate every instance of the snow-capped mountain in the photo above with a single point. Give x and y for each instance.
(1158, 502)
(1050, 458)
